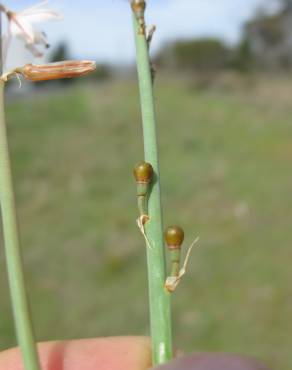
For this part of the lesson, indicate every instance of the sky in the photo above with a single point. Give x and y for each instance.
(102, 29)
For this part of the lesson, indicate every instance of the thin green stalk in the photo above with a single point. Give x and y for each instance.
(159, 299)
(12, 251)
(13, 254)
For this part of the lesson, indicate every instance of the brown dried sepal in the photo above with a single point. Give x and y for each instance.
(55, 71)
(144, 219)
(171, 283)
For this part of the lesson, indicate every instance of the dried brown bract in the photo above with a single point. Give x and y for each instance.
(54, 71)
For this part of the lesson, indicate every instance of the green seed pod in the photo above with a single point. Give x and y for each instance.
(174, 237)
(143, 173)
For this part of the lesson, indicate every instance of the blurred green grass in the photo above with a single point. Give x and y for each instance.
(226, 176)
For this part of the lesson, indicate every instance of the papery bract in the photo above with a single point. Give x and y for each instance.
(54, 71)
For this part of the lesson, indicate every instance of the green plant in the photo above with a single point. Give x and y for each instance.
(159, 298)
(148, 192)
(20, 304)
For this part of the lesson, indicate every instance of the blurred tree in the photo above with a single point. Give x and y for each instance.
(195, 55)
(270, 38)
(60, 52)
(103, 72)
(287, 4)
(242, 59)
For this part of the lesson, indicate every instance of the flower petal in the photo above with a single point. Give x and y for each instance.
(36, 6)
(41, 15)
(20, 27)
(6, 40)
(40, 39)
(34, 50)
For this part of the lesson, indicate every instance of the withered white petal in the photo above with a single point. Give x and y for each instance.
(36, 6)
(21, 25)
(40, 15)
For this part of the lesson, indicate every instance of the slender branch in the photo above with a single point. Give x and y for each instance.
(12, 248)
(13, 255)
(1, 43)
(159, 299)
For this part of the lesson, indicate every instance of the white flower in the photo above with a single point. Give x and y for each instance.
(20, 24)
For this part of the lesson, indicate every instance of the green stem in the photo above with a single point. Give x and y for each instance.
(159, 299)
(175, 262)
(13, 254)
(142, 205)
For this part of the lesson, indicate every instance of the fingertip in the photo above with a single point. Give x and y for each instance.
(118, 353)
(214, 361)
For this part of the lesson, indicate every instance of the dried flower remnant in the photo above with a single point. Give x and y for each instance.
(138, 7)
(21, 25)
(53, 71)
(174, 237)
(143, 173)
